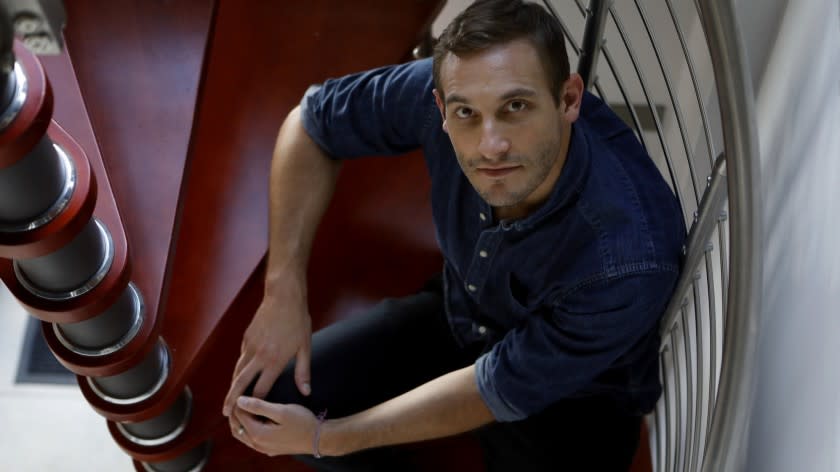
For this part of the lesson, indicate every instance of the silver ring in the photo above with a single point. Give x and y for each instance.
(241, 430)
(60, 203)
(21, 91)
(163, 352)
(168, 436)
(150, 468)
(84, 288)
(137, 323)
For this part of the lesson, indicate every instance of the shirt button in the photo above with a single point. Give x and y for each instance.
(482, 216)
(471, 288)
(482, 253)
(482, 330)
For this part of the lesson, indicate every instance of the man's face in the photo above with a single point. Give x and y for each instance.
(509, 135)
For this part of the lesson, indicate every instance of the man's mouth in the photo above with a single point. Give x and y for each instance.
(496, 172)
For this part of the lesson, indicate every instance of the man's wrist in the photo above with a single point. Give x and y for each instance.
(284, 279)
(332, 440)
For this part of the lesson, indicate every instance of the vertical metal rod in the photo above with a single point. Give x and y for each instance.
(693, 74)
(666, 75)
(593, 34)
(697, 407)
(637, 123)
(677, 400)
(652, 421)
(622, 88)
(567, 33)
(662, 429)
(703, 376)
(727, 451)
(646, 91)
(689, 374)
(723, 235)
(668, 386)
(713, 341)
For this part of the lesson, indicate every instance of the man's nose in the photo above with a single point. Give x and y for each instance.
(494, 144)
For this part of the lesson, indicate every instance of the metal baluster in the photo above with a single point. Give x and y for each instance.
(593, 35)
(572, 43)
(723, 235)
(689, 384)
(678, 400)
(645, 90)
(667, 394)
(637, 124)
(712, 320)
(666, 76)
(693, 74)
(703, 375)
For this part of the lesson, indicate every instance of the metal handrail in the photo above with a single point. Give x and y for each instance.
(726, 450)
(701, 231)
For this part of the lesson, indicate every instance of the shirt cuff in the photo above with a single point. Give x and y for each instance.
(309, 121)
(502, 411)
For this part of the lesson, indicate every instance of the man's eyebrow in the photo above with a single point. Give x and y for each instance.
(455, 98)
(519, 92)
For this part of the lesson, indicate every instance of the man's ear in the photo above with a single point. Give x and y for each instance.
(441, 108)
(572, 97)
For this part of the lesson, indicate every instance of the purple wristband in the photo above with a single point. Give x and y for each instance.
(321, 418)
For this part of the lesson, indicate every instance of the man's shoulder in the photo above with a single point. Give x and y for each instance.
(407, 76)
(625, 200)
(383, 111)
(600, 118)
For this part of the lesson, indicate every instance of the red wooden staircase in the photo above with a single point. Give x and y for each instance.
(176, 106)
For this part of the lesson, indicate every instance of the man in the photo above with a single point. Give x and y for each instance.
(561, 243)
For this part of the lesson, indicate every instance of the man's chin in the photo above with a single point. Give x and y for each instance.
(497, 200)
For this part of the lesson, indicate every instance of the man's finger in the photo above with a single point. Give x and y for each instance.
(240, 430)
(258, 407)
(237, 387)
(266, 381)
(302, 372)
(240, 364)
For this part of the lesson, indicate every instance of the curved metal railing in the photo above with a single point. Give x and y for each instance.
(677, 72)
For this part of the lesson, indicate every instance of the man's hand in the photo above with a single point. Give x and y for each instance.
(290, 429)
(281, 328)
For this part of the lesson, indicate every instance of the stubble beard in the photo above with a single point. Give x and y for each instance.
(539, 169)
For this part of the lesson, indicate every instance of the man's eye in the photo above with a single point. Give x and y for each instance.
(516, 105)
(463, 112)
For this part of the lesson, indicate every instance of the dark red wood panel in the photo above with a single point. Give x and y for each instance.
(139, 64)
(378, 240)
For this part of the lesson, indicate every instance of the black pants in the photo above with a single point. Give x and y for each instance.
(402, 343)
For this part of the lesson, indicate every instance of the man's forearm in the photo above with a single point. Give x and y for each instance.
(448, 405)
(301, 185)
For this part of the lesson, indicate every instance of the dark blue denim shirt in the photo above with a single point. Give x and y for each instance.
(568, 299)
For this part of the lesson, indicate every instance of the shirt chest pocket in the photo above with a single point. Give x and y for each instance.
(514, 301)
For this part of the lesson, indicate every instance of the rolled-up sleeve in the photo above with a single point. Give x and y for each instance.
(384, 111)
(555, 354)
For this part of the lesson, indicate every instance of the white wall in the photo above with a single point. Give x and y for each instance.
(796, 65)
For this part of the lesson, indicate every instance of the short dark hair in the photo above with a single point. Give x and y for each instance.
(488, 23)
